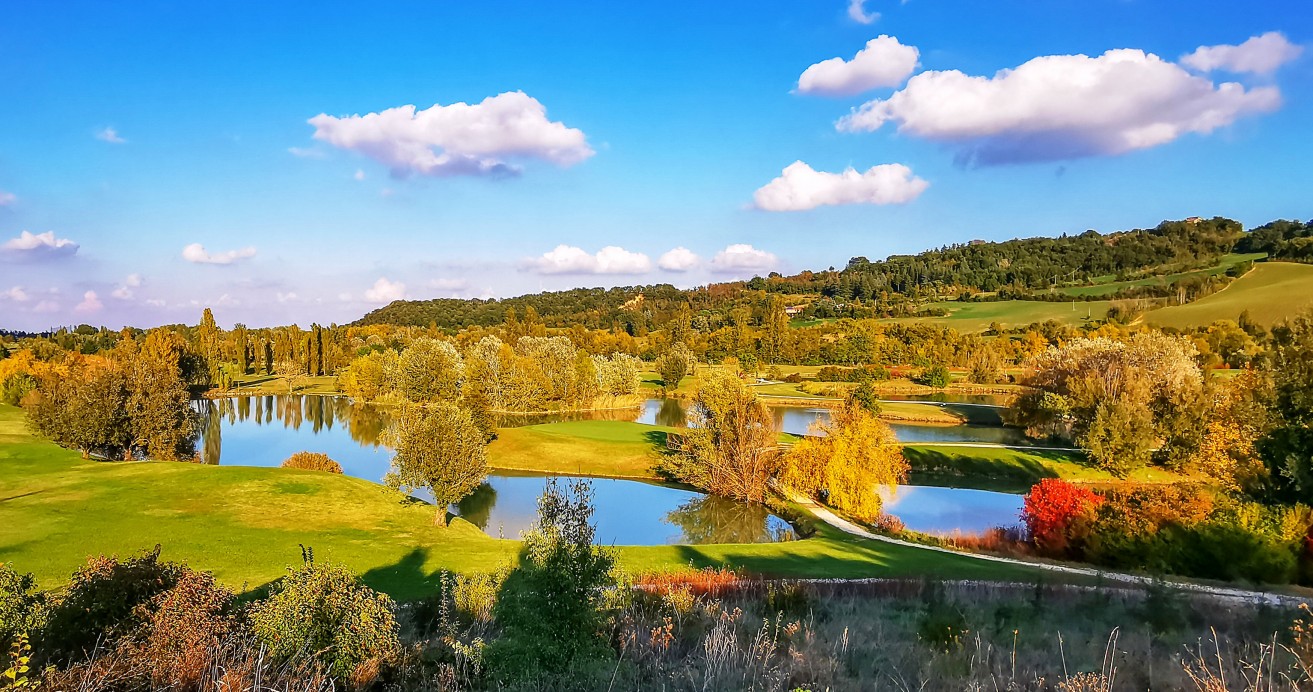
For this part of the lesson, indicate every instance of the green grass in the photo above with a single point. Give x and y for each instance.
(976, 317)
(1272, 292)
(246, 524)
(588, 448)
(277, 384)
(1110, 287)
(1011, 470)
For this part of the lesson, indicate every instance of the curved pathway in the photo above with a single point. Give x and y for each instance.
(993, 445)
(1224, 592)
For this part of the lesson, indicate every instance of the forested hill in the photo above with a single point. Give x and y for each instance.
(892, 286)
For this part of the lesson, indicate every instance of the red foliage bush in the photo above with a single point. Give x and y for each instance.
(702, 582)
(1052, 507)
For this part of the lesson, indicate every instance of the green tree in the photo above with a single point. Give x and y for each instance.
(1287, 449)
(438, 448)
(84, 409)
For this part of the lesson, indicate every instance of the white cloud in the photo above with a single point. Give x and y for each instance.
(800, 187)
(15, 294)
(884, 62)
(286, 297)
(857, 12)
(680, 259)
(90, 303)
(567, 259)
(1062, 107)
(360, 174)
(155, 302)
(7, 198)
(459, 139)
(46, 306)
(198, 254)
(385, 291)
(1259, 55)
(110, 135)
(36, 247)
(124, 290)
(741, 258)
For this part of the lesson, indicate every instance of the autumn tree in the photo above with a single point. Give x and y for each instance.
(430, 370)
(1287, 449)
(438, 448)
(846, 460)
(674, 365)
(731, 449)
(1118, 399)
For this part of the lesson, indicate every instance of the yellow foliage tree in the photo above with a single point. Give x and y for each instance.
(845, 467)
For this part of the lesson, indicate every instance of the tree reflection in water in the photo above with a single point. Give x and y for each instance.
(476, 508)
(711, 519)
(365, 423)
(672, 414)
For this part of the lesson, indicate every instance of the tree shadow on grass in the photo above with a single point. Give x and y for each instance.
(405, 576)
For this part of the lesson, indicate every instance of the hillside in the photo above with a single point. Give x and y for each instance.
(1271, 292)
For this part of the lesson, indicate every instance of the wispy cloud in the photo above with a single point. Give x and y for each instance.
(110, 135)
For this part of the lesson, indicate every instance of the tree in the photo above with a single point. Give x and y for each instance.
(674, 365)
(1287, 448)
(732, 450)
(438, 448)
(855, 454)
(84, 409)
(163, 423)
(431, 370)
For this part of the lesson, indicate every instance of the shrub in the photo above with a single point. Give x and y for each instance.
(793, 378)
(103, 603)
(185, 627)
(312, 461)
(549, 608)
(1051, 508)
(936, 376)
(22, 607)
(324, 612)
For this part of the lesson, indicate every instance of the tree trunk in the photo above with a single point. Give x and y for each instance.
(440, 517)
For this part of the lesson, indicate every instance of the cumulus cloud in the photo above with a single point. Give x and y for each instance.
(567, 259)
(680, 259)
(90, 303)
(857, 12)
(884, 62)
(15, 294)
(800, 187)
(1062, 107)
(459, 139)
(110, 135)
(743, 258)
(124, 291)
(198, 254)
(7, 198)
(384, 291)
(37, 247)
(1259, 55)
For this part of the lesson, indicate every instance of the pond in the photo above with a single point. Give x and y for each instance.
(948, 511)
(628, 513)
(265, 430)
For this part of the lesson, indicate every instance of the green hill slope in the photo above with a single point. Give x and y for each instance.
(1273, 291)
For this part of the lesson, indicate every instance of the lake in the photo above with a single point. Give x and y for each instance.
(265, 430)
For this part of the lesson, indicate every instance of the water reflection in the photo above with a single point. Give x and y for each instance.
(711, 519)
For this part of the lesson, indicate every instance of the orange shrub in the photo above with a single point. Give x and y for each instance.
(703, 582)
(312, 461)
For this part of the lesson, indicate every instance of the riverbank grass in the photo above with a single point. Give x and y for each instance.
(1013, 470)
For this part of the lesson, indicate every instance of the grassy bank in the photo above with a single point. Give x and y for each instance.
(1271, 292)
(246, 525)
(587, 448)
(1011, 470)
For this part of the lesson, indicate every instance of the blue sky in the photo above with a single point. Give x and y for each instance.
(133, 132)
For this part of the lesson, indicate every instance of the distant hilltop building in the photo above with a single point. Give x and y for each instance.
(793, 310)
(1193, 219)
(977, 241)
